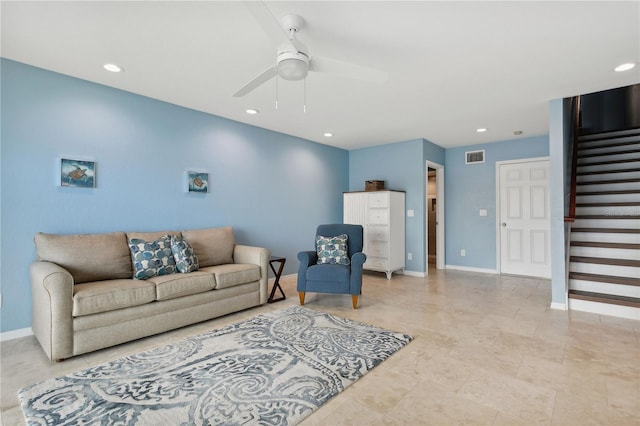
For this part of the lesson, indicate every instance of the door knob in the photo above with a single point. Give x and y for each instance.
(504, 224)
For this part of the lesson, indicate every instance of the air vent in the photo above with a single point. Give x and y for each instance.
(473, 157)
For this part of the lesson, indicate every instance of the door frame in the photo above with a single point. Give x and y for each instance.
(440, 234)
(497, 230)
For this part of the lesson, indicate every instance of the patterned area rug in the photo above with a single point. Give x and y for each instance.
(274, 369)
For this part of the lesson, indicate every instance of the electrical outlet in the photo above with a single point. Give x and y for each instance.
(463, 252)
(410, 256)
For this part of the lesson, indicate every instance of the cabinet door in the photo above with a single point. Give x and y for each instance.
(354, 209)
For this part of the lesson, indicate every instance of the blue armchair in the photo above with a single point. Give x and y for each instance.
(329, 277)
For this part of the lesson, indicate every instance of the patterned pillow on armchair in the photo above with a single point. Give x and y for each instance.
(333, 250)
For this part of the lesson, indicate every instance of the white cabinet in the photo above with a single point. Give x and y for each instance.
(381, 214)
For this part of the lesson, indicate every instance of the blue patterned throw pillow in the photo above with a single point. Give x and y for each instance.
(186, 259)
(153, 258)
(333, 250)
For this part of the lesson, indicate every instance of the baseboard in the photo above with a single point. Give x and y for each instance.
(414, 273)
(559, 306)
(627, 312)
(470, 269)
(16, 334)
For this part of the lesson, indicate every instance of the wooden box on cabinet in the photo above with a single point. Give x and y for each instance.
(373, 185)
(381, 214)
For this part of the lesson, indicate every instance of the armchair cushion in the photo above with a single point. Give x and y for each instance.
(333, 250)
(336, 273)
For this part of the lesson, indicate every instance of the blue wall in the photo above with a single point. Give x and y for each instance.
(264, 184)
(402, 166)
(471, 187)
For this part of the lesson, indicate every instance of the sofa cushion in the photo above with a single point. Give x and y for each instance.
(333, 250)
(102, 296)
(151, 236)
(213, 246)
(88, 257)
(233, 274)
(152, 258)
(186, 259)
(178, 285)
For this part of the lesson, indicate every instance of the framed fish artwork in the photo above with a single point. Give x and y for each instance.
(198, 181)
(77, 173)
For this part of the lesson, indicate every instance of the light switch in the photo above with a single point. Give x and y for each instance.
(483, 212)
(410, 213)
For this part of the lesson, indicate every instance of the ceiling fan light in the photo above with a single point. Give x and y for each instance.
(292, 69)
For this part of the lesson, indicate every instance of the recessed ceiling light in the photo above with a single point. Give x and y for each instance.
(328, 134)
(481, 130)
(252, 111)
(113, 68)
(624, 67)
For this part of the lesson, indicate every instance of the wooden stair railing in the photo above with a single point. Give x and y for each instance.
(575, 129)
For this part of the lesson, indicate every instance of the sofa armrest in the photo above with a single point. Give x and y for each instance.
(257, 256)
(52, 305)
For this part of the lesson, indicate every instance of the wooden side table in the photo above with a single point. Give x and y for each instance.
(276, 282)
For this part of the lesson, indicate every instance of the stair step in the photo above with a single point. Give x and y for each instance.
(606, 172)
(604, 154)
(609, 135)
(609, 279)
(610, 204)
(603, 182)
(605, 261)
(607, 252)
(601, 163)
(605, 245)
(607, 237)
(608, 230)
(605, 298)
(606, 216)
(584, 147)
(622, 191)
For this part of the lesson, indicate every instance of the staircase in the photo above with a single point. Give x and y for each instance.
(604, 262)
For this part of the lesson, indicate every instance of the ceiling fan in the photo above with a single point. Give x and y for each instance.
(293, 61)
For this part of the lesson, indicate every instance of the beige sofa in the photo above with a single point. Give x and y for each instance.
(84, 297)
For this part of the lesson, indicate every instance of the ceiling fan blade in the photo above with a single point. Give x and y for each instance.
(269, 23)
(348, 70)
(265, 76)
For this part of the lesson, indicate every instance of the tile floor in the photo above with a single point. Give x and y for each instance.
(487, 350)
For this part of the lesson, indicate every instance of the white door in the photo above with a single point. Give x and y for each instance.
(524, 219)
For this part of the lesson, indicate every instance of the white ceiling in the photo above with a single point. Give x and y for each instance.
(453, 66)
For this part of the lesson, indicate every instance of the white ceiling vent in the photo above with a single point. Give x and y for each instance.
(473, 157)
